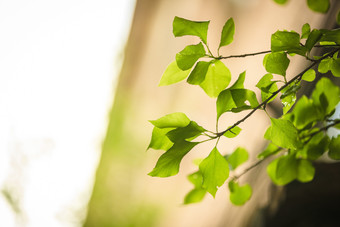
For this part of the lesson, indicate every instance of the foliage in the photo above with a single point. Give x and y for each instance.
(297, 138)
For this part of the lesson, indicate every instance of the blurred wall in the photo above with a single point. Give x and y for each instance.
(123, 193)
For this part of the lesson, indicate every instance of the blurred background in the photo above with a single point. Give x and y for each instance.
(78, 84)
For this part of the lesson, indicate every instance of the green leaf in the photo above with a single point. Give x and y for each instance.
(172, 120)
(326, 91)
(305, 112)
(320, 6)
(284, 134)
(217, 78)
(215, 171)
(309, 75)
(239, 195)
(194, 196)
(235, 100)
(305, 171)
(316, 147)
(267, 87)
(192, 130)
(280, 1)
(189, 55)
(239, 83)
(335, 67)
(313, 38)
(270, 150)
(287, 41)
(276, 63)
(331, 35)
(305, 31)
(233, 132)
(196, 179)
(182, 27)
(227, 33)
(168, 164)
(283, 170)
(159, 140)
(173, 74)
(238, 157)
(325, 65)
(197, 75)
(334, 148)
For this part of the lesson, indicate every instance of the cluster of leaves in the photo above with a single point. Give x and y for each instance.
(297, 138)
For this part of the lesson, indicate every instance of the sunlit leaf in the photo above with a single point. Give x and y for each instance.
(276, 63)
(280, 1)
(238, 157)
(305, 171)
(182, 133)
(325, 65)
(334, 148)
(233, 132)
(335, 67)
(288, 96)
(320, 6)
(159, 140)
(173, 74)
(189, 55)
(326, 92)
(215, 171)
(287, 41)
(168, 164)
(239, 195)
(197, 75)
(267, 87)
(182, 27)
(239, 83)
(309, 75)
(305, 112)
(331, 35)
(284, 134)
(316, 147)
(283, 170)
(227, 33)
(305, 31)
(217, 78)
(312, 39)
(195, 195)
(172, 120)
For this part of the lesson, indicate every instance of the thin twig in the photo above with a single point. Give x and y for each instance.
(245, 55)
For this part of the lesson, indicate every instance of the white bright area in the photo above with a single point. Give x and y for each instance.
(58, 66)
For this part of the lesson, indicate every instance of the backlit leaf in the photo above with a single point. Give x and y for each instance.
(320, 6)
(168, 163)
(238, 157)
(287, 166)
(313, 38)
(173, 74)
(239, 83)
(217, 78)
(239, 195)
(215, 171)
(287, 41)
(197, 75)
(305, 171)
(159, 140)
(172, 120)
(267, 87)
(194, 196)
(335, 67)
(189, 55)
(305, 31)
(233, 132)
(325, 65)
(276, 63)
(280, 1)
(227, 33)
(331, 35)
(182, 27)
(334, 148)
(183, 133)
(271, 149)
(284, 134)
(309, 75)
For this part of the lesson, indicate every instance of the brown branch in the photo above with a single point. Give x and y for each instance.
(245, 55)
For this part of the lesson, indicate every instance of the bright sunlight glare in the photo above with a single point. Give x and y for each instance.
(58, 66)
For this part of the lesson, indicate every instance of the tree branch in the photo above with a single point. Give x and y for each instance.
(245, 55)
